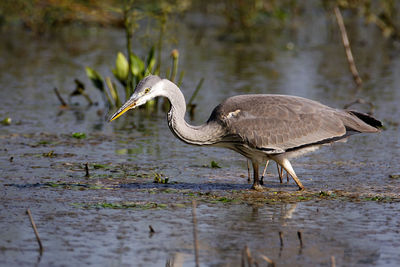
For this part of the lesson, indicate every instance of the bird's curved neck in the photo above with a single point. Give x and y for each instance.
(196, 135)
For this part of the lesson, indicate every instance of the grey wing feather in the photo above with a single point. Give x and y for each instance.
(275, 123)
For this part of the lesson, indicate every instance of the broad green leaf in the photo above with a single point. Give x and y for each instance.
(121, 67)
(95, 77)
(137, 66)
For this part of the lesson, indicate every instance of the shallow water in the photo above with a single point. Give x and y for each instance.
(358, 223)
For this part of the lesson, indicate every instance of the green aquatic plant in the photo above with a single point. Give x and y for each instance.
(79, 135)
(125, 75)
(139, 69)
(378, 199)
(49, 154)
(225, 200)
(326, 194)
(122, 205)
(129, 67)
(6, 121)
(215, 164)
(160, 178)
(100, 166)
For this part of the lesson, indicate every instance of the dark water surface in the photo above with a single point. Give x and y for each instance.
(84, 221)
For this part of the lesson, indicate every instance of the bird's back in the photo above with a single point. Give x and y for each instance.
(278, 123)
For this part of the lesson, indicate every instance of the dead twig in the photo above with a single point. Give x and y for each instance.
(196, 243)
(346, 44)
(62, 101)
(151, 229)
(248, 171)
(35, 230)
(281, 239)
(80, 90)
(281, 243)
(268, 260)
(280, 173)
(248, 256)
(299, 235)
(333, 261)
(87, 169)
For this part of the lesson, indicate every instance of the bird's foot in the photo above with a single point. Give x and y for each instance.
(262, 180)
(257, 187)
(302, 188)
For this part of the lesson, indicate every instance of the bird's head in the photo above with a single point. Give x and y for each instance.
(146, 90)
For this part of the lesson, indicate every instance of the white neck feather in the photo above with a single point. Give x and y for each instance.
(205, 134)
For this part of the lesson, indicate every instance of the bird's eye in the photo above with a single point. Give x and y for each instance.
(146, 90)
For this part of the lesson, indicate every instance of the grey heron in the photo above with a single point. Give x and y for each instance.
(260, 127)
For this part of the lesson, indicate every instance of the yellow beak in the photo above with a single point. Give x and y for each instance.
(127, 106)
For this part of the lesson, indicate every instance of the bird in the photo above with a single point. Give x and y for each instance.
(260, 127)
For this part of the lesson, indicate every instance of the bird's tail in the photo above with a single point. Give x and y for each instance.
(362, 122)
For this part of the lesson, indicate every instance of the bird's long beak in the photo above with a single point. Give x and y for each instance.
(130, 104)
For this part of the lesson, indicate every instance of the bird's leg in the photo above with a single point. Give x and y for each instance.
(279, 172)
(265, 170)
(248, 171)
(288, 167)
(256, 183)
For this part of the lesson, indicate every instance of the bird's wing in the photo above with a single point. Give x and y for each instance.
(281, 124)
